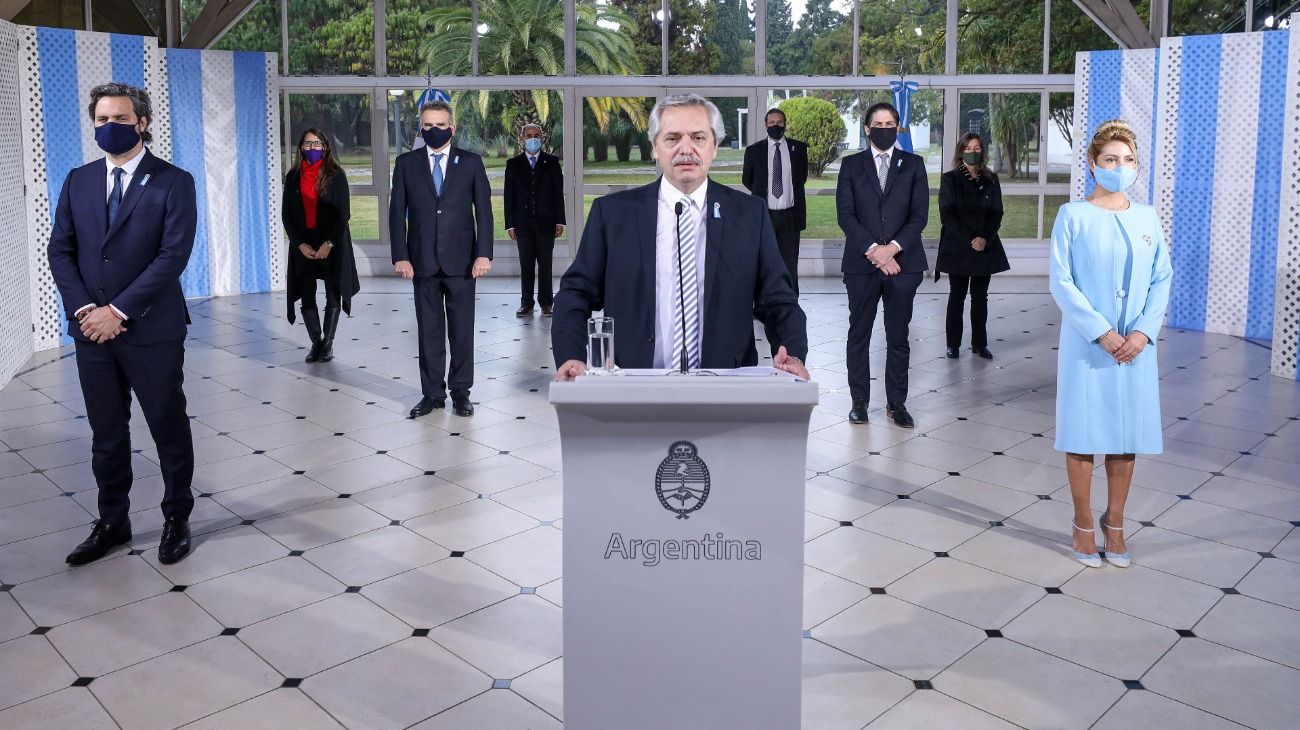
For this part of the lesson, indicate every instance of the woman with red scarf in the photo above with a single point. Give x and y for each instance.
(315, 214)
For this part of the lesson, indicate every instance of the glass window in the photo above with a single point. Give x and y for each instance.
(619, 37)
(365, 218)
(1060, 136)
(1009, 125)
(1019, 216)
(1201, 17)
(414, 50)
(134, 17)
(710, 37)
(331, 38)
(1051, 205)
(810, 38)
(345, 120)
(997, 37)
(1072, 31)
(902, 37)
(1273, 15)
(616, 149)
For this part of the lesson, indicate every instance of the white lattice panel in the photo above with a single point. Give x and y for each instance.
(1286, 302)
(155, 79)
(15, 288)
(275, 177)
(1082, 68)
(1164, 147)
(47, 327)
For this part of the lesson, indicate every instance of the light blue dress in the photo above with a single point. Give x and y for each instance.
(1109, 270)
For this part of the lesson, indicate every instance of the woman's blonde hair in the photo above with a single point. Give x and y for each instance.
(1113, 130)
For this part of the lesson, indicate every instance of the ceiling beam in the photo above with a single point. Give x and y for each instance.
(214, 21)
(1120, 21)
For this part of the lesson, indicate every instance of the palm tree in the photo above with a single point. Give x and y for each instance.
(526, 37)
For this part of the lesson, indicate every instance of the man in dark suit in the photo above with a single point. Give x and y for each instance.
(440, 218)
(534, 208)
(680, 264)
(883, 200)
(776, 169)
(123, 232)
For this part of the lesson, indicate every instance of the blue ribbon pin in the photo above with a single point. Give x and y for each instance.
(717, 211)
(144, 180)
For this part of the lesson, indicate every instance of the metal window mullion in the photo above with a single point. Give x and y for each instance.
(950, 39)
(857, 36)
(284, 46)
(473, 38)
(380, 174)
(760, 37)
(381, 37)
(570, 38)
(663, 39)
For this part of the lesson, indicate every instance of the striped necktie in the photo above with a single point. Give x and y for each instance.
(437, 174)
(687, 287)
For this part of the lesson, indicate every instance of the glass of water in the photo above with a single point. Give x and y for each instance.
(600, 346)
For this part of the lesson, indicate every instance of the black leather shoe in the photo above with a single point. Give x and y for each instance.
(858, 413)
(524, 311)
(953, 353)
(983, 352)
(462, 406)
(175, 543)
(426, 406)
(898, 413)
(104, 536)
(548, 311)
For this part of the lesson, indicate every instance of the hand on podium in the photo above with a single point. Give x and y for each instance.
(570, 370)
(789, 363)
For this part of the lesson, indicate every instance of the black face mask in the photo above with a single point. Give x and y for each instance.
(883, 138)
(776, 131)
(436, 137)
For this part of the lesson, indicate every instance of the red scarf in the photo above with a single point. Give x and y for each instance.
(307, 183)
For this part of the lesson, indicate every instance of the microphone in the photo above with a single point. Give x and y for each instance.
(681, 287)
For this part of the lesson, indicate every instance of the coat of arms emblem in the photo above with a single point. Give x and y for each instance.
(682, 481)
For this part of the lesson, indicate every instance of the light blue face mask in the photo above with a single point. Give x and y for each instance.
(533, 145)
(1115, 179)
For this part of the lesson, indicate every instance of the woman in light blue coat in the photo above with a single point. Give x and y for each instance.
(1110, 276)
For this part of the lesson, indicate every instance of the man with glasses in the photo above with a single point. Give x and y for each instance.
(883, 200)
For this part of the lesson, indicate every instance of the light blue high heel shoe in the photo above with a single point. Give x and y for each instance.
(1092, 560)
(1119, 560)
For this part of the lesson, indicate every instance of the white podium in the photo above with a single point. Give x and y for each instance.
(683, 550)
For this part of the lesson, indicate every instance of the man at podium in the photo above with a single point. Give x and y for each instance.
(680, 264)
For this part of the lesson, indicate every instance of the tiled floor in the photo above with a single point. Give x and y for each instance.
(358, 569)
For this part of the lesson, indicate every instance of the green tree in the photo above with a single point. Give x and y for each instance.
(796, 55)
(903, 37)
(526, 37)
(817, 122)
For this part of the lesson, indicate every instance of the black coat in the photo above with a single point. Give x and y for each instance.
(333, 210)
(755, 176)
(970, 209)
(535, 193)
(614, 271)
(440, 234)
(867, 216)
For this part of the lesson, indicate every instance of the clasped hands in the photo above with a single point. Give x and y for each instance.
(318, 254)
(882, 257)
(482, 265)
(1123, 349)
(101, 324)
(979, 243)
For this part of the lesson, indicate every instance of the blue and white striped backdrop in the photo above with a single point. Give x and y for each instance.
(216, 116)
(1220, 175)
(1211, 113)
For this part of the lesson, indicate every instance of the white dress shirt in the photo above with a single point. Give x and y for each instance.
(666, 267)
(889, 167)
(784, 198)
(128, 174)
(445, 152)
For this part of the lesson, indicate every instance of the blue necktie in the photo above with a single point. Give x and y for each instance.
(437, 174)
(115, 195)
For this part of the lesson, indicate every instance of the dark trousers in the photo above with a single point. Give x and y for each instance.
(865, 294)
(108, 374)
(536, 241)
(307, 286)
(979, 309)
(786, 225)
(444, 314)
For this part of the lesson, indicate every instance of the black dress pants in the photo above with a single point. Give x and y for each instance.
(866, 291)
(979, 309)
(109, 373)
(536, 241)
(444, 315)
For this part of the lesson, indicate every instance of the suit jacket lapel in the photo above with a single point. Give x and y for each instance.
(895, 165)
(453, 157)
(132, 194)
(101, 211)
(427, 168)
(872, 177)
(713, 239)
(647, 220)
